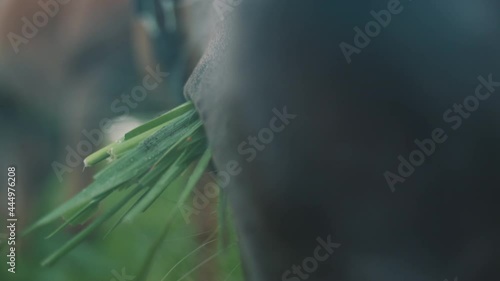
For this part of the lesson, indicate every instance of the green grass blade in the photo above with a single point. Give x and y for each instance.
(168, 177)
(133, 164)
(122, 217)
(151, 176)
(98, 156)
(86, 212)
(75, 241)
(125, 146)
(172, 114)
(192, 129)
(196, 175)
(143, 273)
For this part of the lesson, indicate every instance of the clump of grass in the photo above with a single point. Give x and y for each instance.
(144, 163)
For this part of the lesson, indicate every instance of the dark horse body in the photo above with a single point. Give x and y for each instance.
(332, 172)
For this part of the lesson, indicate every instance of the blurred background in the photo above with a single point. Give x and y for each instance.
(67, 69)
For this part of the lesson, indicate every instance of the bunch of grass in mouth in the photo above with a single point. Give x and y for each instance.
(145, 161)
